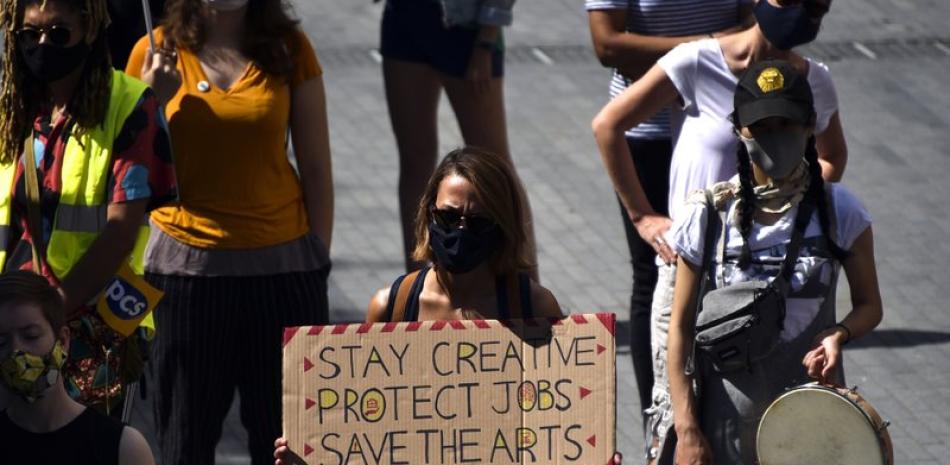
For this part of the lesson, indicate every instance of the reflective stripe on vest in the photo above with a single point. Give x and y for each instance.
(7, 172)
(87, 163)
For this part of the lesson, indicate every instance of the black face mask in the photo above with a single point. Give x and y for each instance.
(50, 63)
(462, 250)
(786, 27)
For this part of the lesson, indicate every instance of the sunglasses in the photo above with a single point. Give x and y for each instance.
(30, 36)
(449, 218)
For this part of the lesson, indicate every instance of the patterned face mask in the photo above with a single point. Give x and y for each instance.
(30, 376)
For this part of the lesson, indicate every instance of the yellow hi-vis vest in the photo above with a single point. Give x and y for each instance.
(87, 165)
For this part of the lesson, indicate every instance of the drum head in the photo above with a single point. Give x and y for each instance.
(812, 425)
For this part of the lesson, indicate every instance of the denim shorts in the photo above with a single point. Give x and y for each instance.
(413, 30)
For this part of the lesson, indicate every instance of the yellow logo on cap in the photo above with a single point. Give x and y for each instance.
(770, 80)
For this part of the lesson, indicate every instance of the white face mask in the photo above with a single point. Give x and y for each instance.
(226, 5)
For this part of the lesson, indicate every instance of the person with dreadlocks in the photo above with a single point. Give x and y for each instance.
(84, 154)
(42, 424)
(779, 174)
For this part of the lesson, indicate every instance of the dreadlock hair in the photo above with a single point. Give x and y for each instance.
(815, 194)
(268, 26)
(21, 95)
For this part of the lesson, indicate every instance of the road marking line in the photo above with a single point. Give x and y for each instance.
(541, 56)
(864, 50)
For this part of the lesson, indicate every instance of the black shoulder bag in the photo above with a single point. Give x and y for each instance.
(740, 324)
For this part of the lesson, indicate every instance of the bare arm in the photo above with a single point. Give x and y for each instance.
(692, 446)
(133, 449)
(865, 315)
(544, 302)
(832, 150)
(633, 54)
(376, 312)
(101, 261)
(862, 282)
(640, 101)
(308, 126)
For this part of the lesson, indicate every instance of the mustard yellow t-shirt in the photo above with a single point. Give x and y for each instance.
(237, 189)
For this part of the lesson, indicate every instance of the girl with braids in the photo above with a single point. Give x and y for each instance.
(696, 80)
(42, 424)
(245, 251)
(97, 143)
(779, 171)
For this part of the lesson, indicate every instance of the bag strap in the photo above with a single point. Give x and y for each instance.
(706, 270)
(720, 276)
(34, 215)
(514, 296)
(403, 288)
(782, 282)
(524, 286)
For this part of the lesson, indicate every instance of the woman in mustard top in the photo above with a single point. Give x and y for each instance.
(245, 251)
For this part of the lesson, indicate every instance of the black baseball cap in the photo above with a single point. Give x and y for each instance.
(773, 88)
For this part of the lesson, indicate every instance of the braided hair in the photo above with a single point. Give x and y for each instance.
(747, 212)
(21, 95)
(815, 194)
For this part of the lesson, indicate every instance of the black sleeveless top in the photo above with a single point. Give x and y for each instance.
(90, 439)
(501, 291)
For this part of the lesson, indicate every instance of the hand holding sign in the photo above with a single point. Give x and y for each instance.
(160, 68)
(160, 72)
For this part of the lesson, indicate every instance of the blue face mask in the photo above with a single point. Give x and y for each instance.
(786, 27)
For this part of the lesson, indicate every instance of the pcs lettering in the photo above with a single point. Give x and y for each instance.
(124, 300)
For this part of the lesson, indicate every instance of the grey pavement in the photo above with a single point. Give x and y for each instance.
(890, 60)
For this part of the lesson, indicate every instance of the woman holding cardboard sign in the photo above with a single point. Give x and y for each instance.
(83, 156)
(470, 228)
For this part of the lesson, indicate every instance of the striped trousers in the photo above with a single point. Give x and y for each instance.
(218, 334)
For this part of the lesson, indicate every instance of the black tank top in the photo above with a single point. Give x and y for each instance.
(90, 439)
(412, 305)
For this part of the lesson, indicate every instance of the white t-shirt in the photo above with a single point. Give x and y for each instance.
(667, 18)
(704, 150)
(812, 281)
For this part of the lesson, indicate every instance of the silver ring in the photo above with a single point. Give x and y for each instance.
(658, 240)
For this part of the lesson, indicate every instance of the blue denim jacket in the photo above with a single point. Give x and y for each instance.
(477, 12)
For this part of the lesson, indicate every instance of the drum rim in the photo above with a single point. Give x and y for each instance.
(879, 430)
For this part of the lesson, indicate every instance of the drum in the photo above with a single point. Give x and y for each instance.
(817, 424)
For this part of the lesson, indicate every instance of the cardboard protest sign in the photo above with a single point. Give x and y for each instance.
(452, 392)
